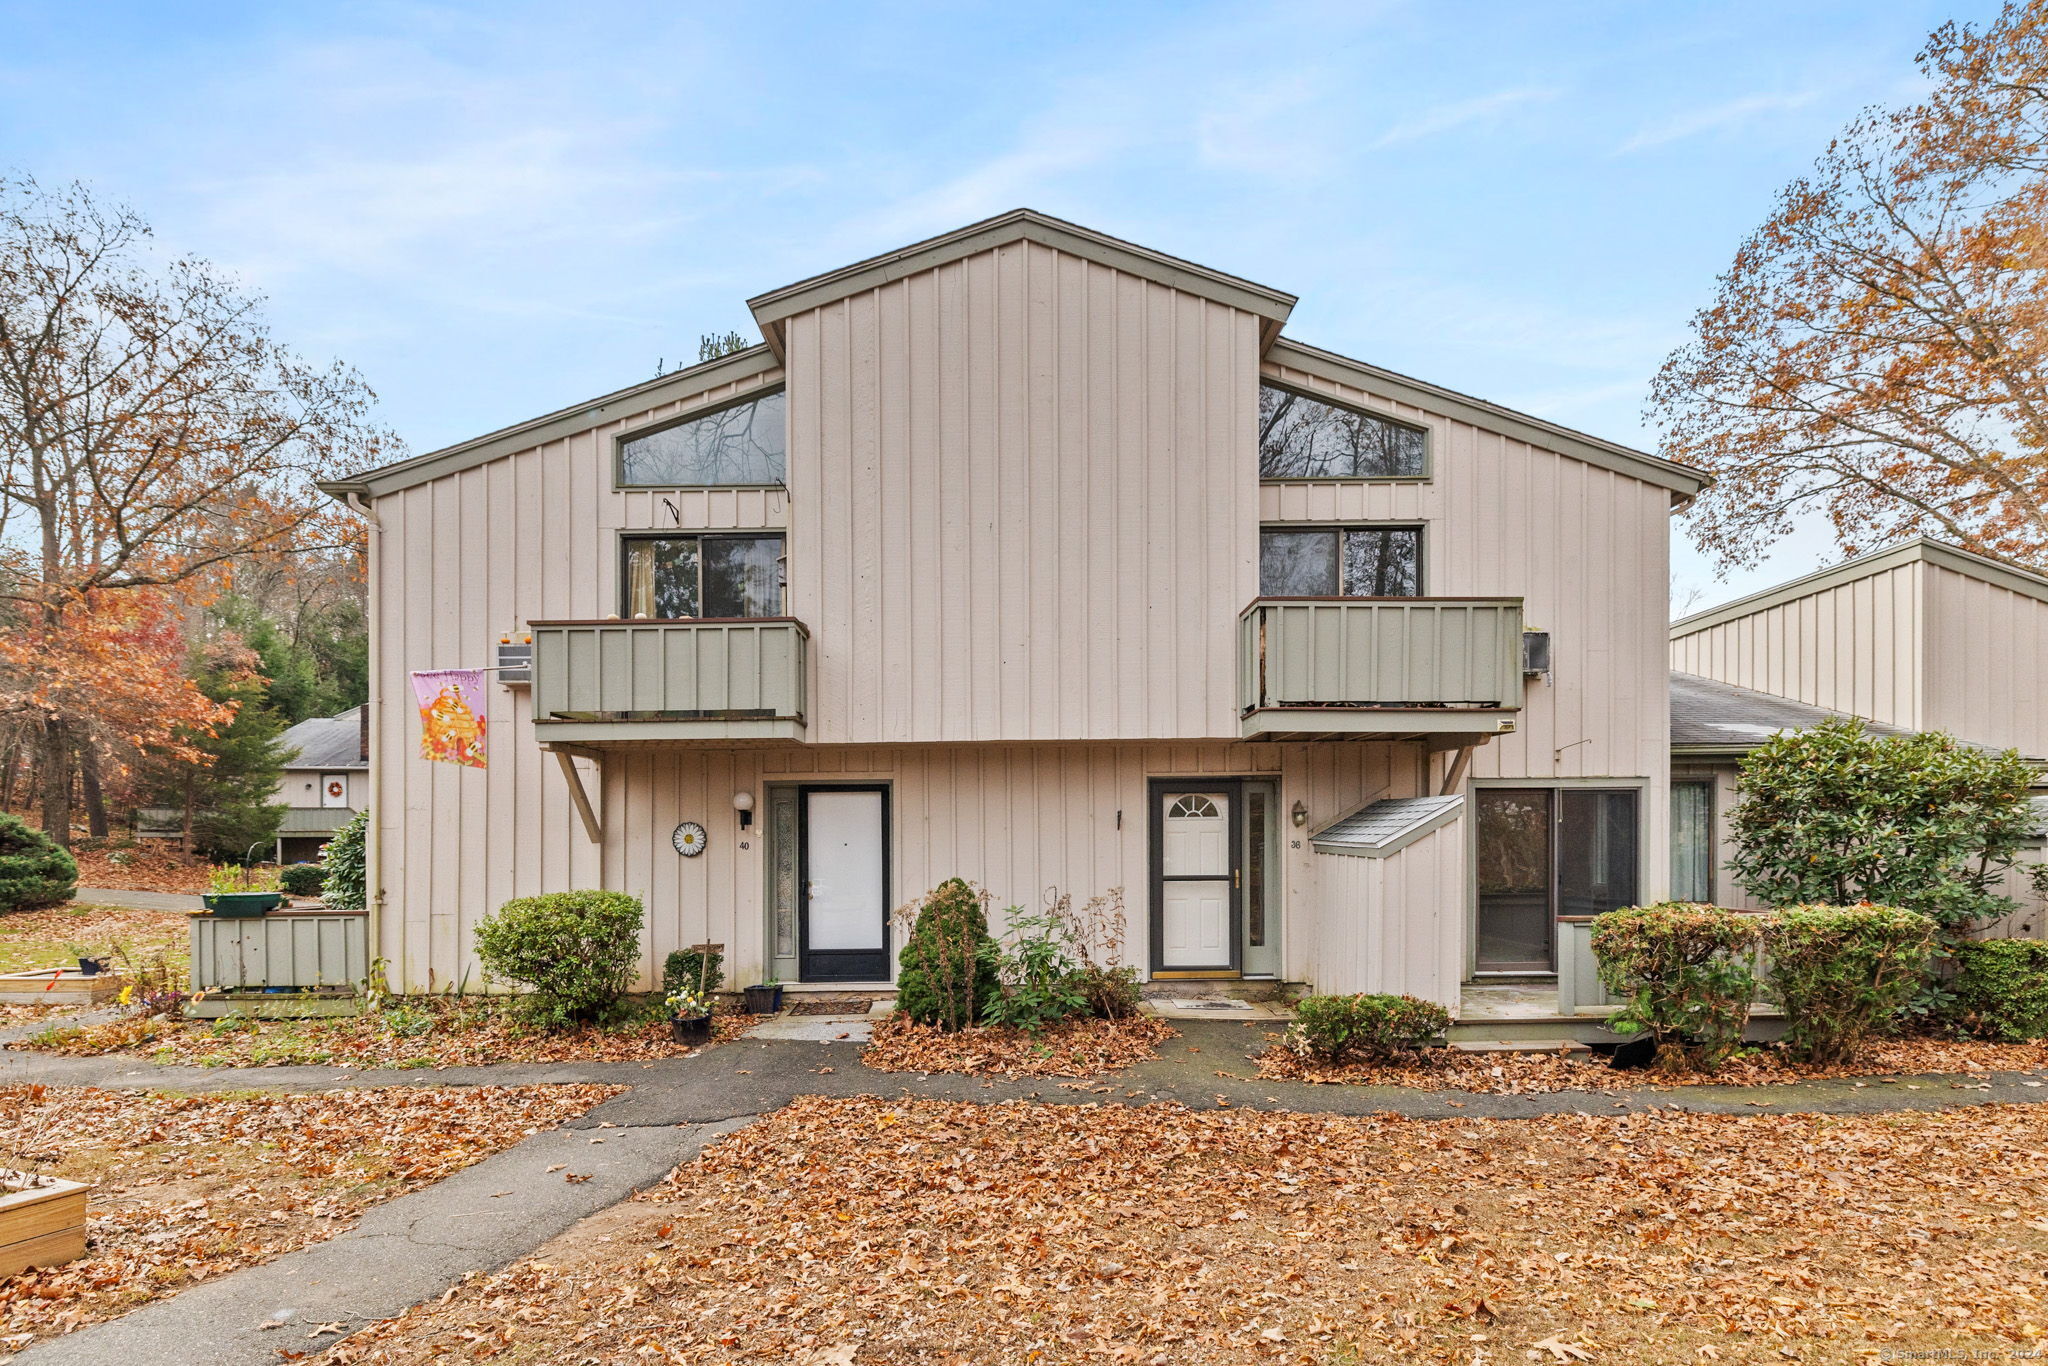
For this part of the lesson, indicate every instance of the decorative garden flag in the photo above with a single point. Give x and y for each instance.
(452, 715)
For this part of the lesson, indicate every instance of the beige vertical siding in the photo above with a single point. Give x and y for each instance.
(1585, 547)
(1987, 657)
(1395, 924)
(1854, 647)
(1022, 503)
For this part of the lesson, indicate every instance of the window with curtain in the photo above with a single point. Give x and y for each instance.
(1692, 841)
(672, 577)
(741, 443)
(1347, 562)
(1306, 438)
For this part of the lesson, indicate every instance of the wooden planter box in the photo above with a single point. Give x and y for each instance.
(310, 948)
(70, 987)
(42, 1227)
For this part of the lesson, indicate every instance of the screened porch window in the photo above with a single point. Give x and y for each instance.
(1305, 438)
(741, 443)
(1340, 562)
(672, 577)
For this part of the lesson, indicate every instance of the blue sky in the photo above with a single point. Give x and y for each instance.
(494, 210)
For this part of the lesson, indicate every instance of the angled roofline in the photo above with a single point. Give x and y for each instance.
(1021, 225)
(1684, 482)
(1921, 549)
(579, 417)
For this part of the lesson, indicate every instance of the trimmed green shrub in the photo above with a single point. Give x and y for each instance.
(576, 950)
(344, 880)
(1842, 973)
(1040, 973)
(2001, 989)
(34, 870)
(949, 965)
(301, 879)
(1339, 1029)
(1688, 973)
(699, 970)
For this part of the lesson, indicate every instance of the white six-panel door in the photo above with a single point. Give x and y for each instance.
(1195, 864)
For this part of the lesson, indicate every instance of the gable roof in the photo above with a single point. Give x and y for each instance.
(1020, 225)
(1387, 826)
(1921, 549)
(326, 742)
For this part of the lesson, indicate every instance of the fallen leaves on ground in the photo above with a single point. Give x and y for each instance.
(1075, 1048)
(44, 938)
(190, 1187)
(1443, 1069)
(433, 1035)
(152, 866)
(926, 1233)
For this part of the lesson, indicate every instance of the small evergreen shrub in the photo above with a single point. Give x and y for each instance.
(344, 882)
(34, 870)
(1337, 1029)
(1842, 973)
(577, 950)
(700, 969)
(949, 965)
(1688, 973)
(2001, 989)
(301, 879)
(1040, 974)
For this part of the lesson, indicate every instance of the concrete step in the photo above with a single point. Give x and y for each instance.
(1519, 1046)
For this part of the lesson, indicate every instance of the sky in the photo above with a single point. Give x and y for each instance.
(496, 210)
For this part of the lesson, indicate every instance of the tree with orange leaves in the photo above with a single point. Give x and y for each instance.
(1878, 351)
(152, 436)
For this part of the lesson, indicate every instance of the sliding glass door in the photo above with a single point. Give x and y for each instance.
(1545, 853)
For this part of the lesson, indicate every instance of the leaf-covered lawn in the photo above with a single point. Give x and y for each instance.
(189, 1187)
(1077, 1048)
(437, 1034)
(1440, 1069)
(878, 1233)
(39, 939)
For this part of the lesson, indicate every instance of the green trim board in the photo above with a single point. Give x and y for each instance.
(1919, 550)
(1684, 482)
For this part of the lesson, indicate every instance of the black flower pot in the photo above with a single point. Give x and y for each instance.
(91, 967)
(690, 1029)
(763, 1000)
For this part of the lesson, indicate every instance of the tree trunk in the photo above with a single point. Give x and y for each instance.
(95, 799)
(56, 780)
(185, 838)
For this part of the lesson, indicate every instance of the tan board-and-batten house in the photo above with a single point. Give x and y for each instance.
(1040, 558)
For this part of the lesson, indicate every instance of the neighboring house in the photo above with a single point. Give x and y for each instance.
(326, 781)
(1919, 636)
(1035, 557)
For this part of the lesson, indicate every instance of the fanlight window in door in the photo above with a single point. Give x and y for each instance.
(1193, 806)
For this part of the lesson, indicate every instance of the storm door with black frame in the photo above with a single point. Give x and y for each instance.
(843, 853)
(1197, 878)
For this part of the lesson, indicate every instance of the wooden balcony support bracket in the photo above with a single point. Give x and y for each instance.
(566, 756)
(1454, 772)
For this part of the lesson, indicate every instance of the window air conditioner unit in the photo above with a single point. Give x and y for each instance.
(1535, 653)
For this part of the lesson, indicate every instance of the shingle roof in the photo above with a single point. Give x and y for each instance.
(1382, 827)
(326, 742)
(1709, 714)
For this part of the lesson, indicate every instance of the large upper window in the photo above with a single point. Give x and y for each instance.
(743, 443)
(1340, 562)
(1305, 438)
(670, 577)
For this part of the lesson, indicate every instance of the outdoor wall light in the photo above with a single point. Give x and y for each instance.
(743, 802)
(1300, 813)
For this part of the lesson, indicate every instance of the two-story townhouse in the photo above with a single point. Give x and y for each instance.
(1036, 557)
(1918, 636)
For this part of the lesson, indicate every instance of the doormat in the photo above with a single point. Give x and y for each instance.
(828, 1006)
(1214, 1005)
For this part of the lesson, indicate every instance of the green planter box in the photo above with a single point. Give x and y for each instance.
(240, 905)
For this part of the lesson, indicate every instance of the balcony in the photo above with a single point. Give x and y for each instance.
(1379, 668)
(720, 681)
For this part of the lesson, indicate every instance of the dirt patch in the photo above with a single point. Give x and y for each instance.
(1077, 1048)
(436, 1034)
(144, 866)
(1440, 1069)
(927, 1234)
(43, 938)
(191, 1187)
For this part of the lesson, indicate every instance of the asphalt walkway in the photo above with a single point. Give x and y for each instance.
(144, 901)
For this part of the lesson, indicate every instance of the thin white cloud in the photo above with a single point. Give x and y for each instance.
(1730, 114)
(1445, 118)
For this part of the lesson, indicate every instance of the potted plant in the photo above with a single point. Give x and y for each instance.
(689, 1016)
(236, 892)
(763, 998)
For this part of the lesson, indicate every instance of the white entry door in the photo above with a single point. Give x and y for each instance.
(1196, 876)
(844, 932)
